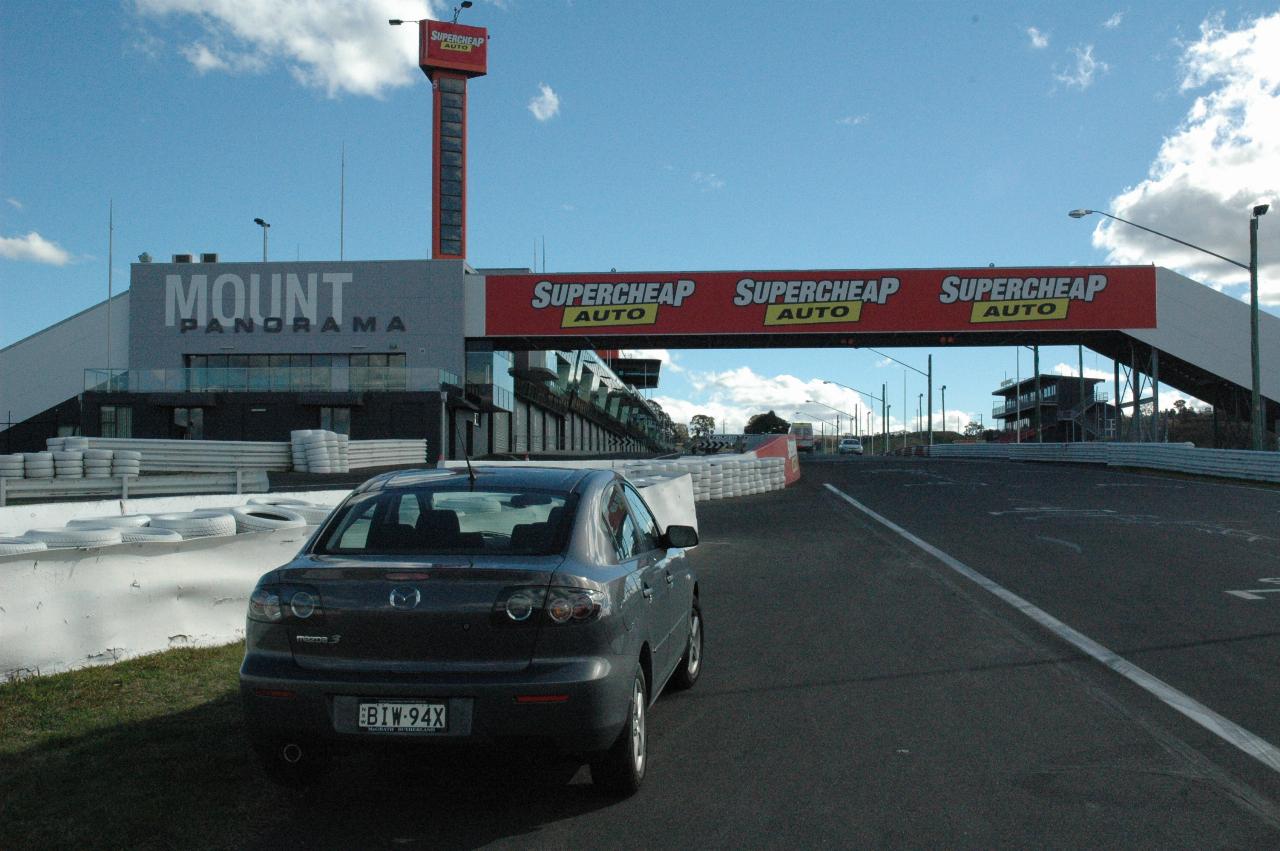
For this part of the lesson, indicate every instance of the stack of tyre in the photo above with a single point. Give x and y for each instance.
(319, 451)
(12, 466)
(38, 465)
(124, 462)
(97, 463)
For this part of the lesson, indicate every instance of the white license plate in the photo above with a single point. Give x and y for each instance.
(398, 717)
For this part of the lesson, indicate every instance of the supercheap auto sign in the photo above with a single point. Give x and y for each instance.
(901, 300)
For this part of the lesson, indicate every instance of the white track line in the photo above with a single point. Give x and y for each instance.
(1229, 731)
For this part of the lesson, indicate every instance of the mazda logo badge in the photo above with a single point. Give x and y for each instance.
(405, 598)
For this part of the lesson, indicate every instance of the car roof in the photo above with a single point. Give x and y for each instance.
(540, 478)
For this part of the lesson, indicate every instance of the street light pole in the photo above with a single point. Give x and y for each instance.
(884, 406)
(944, 407)
(1257, 424)
(264, 225)
(928, 377)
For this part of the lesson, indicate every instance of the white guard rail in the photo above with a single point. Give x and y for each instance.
(386, 453)
(1175, 457)
(239, 481)
(201, 456)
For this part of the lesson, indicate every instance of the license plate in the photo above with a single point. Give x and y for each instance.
(402, 717)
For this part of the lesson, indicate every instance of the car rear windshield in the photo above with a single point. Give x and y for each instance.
(400, 521)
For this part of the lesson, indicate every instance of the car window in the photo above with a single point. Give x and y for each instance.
(646, 527)
(618, 525)
(425, 520)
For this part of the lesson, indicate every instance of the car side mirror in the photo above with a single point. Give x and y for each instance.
(680, 536)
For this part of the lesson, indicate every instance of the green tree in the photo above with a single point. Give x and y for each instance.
(702, 426)
(769, 423)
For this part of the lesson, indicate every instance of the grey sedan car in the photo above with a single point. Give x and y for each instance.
(438, 607)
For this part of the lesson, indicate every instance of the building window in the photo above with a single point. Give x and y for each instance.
(115, 421)
(188, 423)
(337, 420)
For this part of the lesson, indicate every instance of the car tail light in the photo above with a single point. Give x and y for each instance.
(264, 605)
(302, 604)
(561, 605)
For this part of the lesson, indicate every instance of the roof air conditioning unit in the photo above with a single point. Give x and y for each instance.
(208, 257)
(182, 258)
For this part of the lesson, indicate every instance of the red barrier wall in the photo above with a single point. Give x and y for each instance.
(782, 446)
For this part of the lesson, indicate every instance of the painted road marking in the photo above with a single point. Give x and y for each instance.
(1068, 544)
(1252, 593)
(1227, 730)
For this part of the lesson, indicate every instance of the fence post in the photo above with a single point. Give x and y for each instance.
(238, 482)
(3, 490)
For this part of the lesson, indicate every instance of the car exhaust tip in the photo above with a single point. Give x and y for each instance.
(291, 753)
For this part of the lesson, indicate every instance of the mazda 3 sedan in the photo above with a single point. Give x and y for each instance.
(440, 607)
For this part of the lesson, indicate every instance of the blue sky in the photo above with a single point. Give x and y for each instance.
(697, 136)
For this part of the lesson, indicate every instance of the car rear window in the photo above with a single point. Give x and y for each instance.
(400, 521)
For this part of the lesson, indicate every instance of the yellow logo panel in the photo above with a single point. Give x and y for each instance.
(597, 317)
(1020, 311)
(812, 314)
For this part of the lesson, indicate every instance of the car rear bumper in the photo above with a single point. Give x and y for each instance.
(574, 706)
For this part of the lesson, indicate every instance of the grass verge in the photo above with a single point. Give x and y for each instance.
(146, 753)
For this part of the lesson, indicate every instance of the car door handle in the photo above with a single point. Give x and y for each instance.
(648, 592)
(671, 580)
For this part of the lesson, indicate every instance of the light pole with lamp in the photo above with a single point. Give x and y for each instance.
(852, 417)
(929, 379)
(1252, 268)
(944, 407)
(884, 407)
(264, 225)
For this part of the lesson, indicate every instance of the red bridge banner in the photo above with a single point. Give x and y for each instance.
(1054, 298)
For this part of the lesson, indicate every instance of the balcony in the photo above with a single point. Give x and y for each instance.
(306, 379)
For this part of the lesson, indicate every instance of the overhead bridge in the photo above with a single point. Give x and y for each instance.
(1161, 326)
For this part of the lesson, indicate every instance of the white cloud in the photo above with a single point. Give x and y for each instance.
(883, 362)
(738, 394)
(14, 203)
(33, 248)
(1039, 40)
(1222, 159)
(546, 105)
(707, 180)
(337, 46)
(854, 120)
(1114, 21)
(1086, 68)
(664, 355)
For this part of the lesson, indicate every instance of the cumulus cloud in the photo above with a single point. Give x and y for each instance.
(14, 203)
(707, 180)
(1039, 40)
(853, 120)
(1086, 68)
(333, 45)
(735, 395)
(1114, 21)
(664, 355)
(1223, 159)
(546, 105)
(33, 248)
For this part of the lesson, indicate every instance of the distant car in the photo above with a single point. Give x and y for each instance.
(544, 606)
(850, 446)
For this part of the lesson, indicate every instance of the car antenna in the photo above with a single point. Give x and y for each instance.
(470, 472)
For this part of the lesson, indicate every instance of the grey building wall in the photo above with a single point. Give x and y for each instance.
(410, 306)
(47, 368)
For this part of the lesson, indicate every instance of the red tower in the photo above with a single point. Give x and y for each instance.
(449, 54)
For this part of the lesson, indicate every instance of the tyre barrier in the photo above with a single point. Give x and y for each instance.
(20, 545)
(265, 518)
(69, 537)
(716, 477)
(122, 521)
(197, 524)
(312, 513)
(149, 535)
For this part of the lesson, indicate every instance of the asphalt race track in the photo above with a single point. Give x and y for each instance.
(859, 692)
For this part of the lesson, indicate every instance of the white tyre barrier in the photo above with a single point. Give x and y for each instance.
(121, 521)
(12, 466)
(76, 536)
(197, 524)
(312, 513)
(149, 535)
(16, 546)
(265, 518)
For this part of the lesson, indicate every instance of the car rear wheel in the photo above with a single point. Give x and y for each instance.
(621, 769)
(291, 762)
(690, 666)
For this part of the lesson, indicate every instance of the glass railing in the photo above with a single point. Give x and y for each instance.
(309, 379)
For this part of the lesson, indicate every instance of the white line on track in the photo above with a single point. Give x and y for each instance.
(1227, 730)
